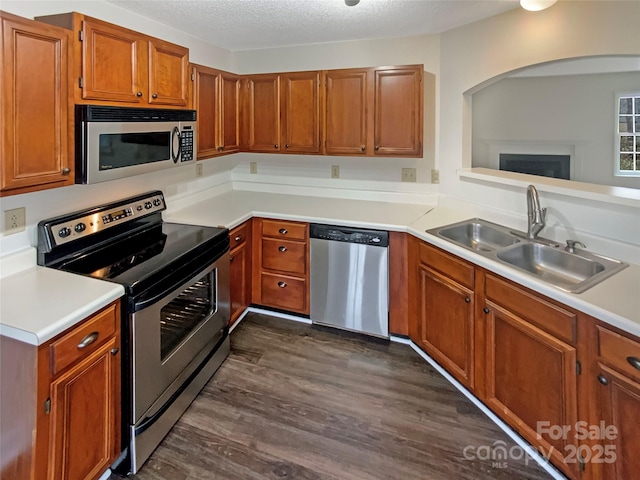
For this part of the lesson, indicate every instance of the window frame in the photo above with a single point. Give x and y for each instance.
(635, 115)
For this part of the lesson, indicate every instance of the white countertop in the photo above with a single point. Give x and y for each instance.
(614, 301)
(39, 303)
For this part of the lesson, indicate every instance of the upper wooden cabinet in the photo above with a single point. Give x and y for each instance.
(36, 146)
(374, 111)
(301, 112)
(116, 65)
(345, 112)
(262, 113)
(397, 111)
(216, 97)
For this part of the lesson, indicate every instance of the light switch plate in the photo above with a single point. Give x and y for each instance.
(198, 169)
(435, 176)
(15, 220)
(253, 167)
(335, 171)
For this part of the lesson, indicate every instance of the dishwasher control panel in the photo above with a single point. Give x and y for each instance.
(349, 235)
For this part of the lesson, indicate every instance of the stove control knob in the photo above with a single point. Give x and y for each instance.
(139, 208)
(80, 227)
(157, 202)
(64, 232)
(148, 205)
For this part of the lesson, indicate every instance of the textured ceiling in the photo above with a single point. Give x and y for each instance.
(254, 24)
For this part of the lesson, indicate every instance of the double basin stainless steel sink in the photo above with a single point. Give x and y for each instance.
(569, 269)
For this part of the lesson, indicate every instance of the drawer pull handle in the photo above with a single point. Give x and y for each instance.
(283, 231)
(88, 340)
(467, 299)
(66, 171)
(603, 380)
(238, 238)
(282, 284)
(634, 362)
(282, 248)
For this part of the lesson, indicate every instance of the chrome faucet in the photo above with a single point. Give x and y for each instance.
(535, 214)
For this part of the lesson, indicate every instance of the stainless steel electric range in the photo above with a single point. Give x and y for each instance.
(175, 313)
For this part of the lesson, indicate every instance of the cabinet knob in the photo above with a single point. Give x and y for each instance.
(88, 340)
(155, 95)
(66, 171)
(362, 148)
(139, 94)
(283, 231)
(114, 351)
(282, 248)
(634, 362)
(220, 148)
(276, 146)
(238, 238)
(286, 145)
(282, 284)
(603, 380)
(231, 259)
(377, 147)
(467, 299)
(486, 310)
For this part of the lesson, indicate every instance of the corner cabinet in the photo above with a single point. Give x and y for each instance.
(216, 97)
(35, 104)
(115, 65)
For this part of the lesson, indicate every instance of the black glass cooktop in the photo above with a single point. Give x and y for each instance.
(156, 252)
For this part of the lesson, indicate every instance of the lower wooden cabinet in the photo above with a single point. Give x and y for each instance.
(240, 271)
(79, 402)
(281, 265)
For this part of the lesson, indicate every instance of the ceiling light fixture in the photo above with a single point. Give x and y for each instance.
(351, 3)
(536, 5)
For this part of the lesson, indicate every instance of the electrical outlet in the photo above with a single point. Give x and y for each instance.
(335, 171)
(253, 167)
(435, 176)
(198, 169)
(14, 220)
(408, 174)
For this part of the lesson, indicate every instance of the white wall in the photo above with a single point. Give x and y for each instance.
(552, 113)
(478, 53)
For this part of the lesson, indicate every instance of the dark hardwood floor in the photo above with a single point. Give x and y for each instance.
(297, 402)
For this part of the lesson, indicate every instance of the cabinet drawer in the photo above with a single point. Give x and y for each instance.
(453, 267)
(281, 229)
(284, 255)
(238, 236)
(551, 318)
(92, 332)
(619, 352)
(283, 291)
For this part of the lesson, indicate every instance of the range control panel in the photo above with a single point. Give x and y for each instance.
(81, 225)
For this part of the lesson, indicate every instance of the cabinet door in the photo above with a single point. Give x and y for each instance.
(301, 112)
(229, 134)
(263, 113)
(398, 111)
(346, 122)
(239, 258)
(35, 143)
(619, 399)
(446, 323)
(206, 100)
(531, 382)
(85, 423)
(168, 68)
(113, 63)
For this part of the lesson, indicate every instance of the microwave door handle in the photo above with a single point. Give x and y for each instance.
(175, 153)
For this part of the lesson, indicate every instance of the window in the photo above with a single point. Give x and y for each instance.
(628, 135)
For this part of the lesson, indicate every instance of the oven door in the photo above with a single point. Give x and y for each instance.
(172, 336)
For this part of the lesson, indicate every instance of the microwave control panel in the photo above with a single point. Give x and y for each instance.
(186, 145)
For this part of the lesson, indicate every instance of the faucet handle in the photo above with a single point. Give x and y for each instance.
(571, 245)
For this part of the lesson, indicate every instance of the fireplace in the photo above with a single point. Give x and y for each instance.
(554, 166)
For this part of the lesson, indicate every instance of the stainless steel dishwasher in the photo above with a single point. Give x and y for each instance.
(350, 279)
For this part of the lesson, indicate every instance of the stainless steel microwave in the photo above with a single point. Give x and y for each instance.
(119, 142)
